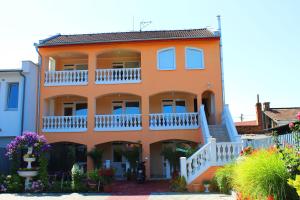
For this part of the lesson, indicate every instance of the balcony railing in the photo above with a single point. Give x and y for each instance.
(117, 76)
(118, 122)
(165, 121)
(65, 124)
(70, 77)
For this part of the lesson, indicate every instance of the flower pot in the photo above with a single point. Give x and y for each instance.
(29, 159)
(206, 186)
(27, 173)
(107, 188)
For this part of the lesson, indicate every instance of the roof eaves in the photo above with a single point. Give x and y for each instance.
(112, 41)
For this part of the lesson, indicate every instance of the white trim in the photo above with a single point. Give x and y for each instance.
(157, 58)
(185, 57)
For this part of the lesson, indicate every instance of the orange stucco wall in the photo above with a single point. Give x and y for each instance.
(154, 81)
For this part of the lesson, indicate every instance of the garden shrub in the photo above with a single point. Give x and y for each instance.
(77, 178)
(223, 178)
(178, 184)
(260, 175)
(43, 172)
(14, 183)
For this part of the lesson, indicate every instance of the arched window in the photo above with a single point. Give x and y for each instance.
(194, 58)
(166, 59)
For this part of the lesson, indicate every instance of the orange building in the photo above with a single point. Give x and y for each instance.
(152, 88)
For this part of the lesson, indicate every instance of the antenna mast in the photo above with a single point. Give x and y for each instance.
(144, 24)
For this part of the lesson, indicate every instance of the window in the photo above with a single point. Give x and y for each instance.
(71, 67)
(75, 109)
(51, 64)
(127, 64)
(194, 58)
(13, 95)
(125, 107)
(174, 106)
(166, 59)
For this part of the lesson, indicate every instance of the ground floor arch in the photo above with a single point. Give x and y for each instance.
(161, 153)
(208, 100)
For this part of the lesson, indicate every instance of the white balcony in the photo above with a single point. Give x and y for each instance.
(118, 76)
(68, 77)
(124, 122)
(169, 121)
(65, 124)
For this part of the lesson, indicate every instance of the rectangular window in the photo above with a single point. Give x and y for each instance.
(194, 58)
(166, 59)
(81, 109)
(132, 107)
(117, 108)
(167, 106)
(180, 106)
(174, 106)
(13, 95)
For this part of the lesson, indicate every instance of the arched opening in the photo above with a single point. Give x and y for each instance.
(118, 111)
(118, 66)
(63, 155)
(65, 113)
(164, 157)
(208, 100)
(173, 110)
(122, 156)
(119, 58)
(66, 61)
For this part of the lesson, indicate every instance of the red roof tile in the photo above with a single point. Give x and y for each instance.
(127, 36)
(247, 123)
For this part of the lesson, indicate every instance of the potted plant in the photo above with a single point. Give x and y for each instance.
(206, 184)
(107, 177)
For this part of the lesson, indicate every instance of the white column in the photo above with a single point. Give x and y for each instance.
(183, 167)
(213, 151)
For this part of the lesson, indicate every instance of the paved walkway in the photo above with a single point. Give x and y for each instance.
(153, 196)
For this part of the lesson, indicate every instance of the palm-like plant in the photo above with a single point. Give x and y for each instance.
(96, 155)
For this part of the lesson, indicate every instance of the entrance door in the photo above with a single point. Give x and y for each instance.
(117, 162)
(208, 100)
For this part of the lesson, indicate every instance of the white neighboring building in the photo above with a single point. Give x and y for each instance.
(18, 104)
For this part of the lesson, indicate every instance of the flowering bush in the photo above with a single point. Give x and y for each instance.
(246, 151)
(107, 175)
(37, 186)
(28, 139)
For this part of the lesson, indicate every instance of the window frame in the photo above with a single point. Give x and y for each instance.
(158, 59)
(73, 106)
(186, 60)
(173, 102)
(7, 96)
(123, 104)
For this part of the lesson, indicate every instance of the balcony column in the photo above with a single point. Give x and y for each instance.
(92, 62)
(199, 101)
(89, 161)
(91, 114)
(145, 112)
(146, 158)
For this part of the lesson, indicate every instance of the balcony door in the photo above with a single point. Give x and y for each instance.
(125, 107)
(75, 109)
(174, 106)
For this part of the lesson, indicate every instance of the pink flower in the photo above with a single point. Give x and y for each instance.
(291, 125)
(298, 116)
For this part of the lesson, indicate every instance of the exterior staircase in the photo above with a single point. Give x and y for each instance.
(219, 132)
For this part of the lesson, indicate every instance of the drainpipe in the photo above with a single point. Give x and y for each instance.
(221, 59)
(38, 90)
(23, 102)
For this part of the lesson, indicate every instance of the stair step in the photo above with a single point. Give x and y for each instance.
(219, 132)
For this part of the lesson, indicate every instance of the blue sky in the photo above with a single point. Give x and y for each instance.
(261, 39)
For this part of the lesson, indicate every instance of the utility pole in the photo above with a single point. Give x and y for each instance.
(242, 117)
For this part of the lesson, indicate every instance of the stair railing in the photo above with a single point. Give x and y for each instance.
(230, 126)
(204, 124)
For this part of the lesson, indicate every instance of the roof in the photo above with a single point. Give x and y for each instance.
(11, 70)
(127, 37)
(283, 114)
(246, 123)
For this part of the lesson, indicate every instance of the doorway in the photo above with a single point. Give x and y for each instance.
(208, 100)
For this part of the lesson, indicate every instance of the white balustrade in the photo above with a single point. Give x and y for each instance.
(286, 139)
(228, 121)
(68, 77)
(118, 122)
(227, 152)
(117, 76)
(64, 124)
(204, 124)
(165, 121)
(197, 163)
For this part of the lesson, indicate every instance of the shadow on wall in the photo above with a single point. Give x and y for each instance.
(5, 163)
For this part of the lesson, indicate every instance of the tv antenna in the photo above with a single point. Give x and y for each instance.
(144, 24)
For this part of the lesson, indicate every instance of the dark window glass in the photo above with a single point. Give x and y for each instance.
(180, 106)
(81, 109)
(13, 95)
(132, 107)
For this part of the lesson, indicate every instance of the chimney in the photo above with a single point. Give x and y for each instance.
(259, 114)
(266, 106)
